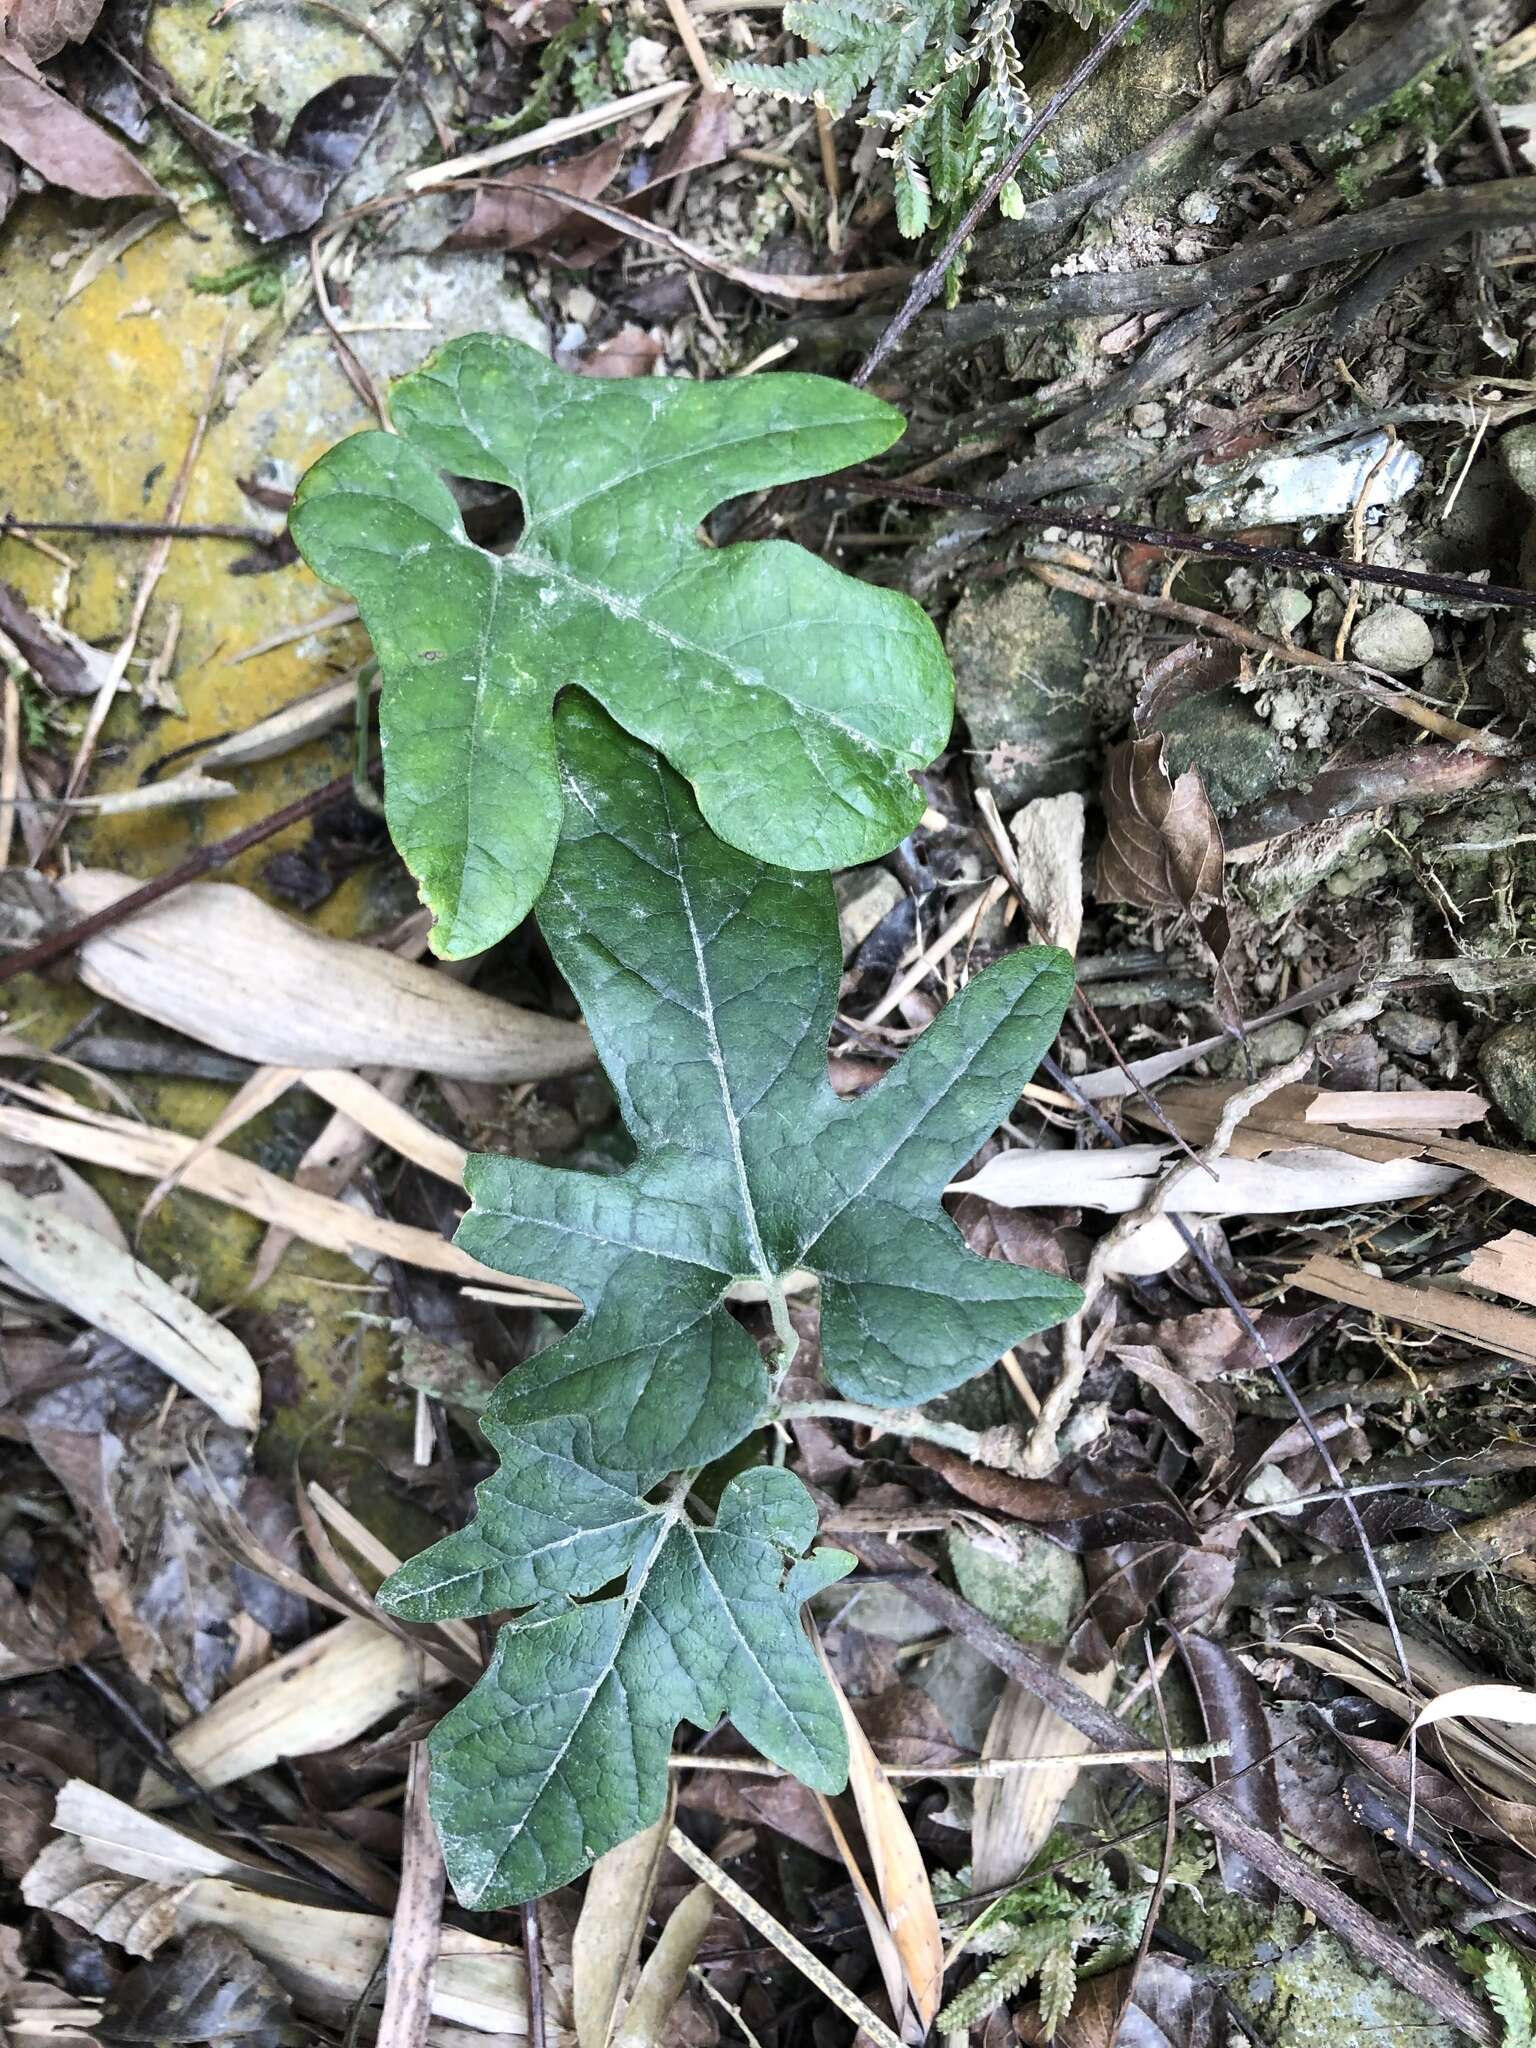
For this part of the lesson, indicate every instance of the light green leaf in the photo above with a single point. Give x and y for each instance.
(709, 983)
(795, 700)
(560, 1752)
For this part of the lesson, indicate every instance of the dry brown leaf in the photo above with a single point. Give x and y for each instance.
(64, 146)
(901, 1877)
(824, 289)
(136, 1913)
(1014, 1814)
(87, 1274)
(509, 212)
(323, 1693)
(1162, 847)
(1505, 1266)
(43, 27)
(216, 963)
(1483, 1323)
(607, 1935)
(416, 1926)
(1512, 1173)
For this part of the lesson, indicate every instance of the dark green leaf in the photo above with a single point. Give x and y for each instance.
(795, 700)
(561, 1750)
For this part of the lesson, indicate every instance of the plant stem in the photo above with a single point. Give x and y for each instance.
(783, 1328)
(996, 1447)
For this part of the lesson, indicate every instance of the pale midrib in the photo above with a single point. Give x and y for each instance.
(666, 1521)
(531, 561)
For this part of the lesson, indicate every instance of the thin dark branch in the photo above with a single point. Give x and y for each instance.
(138, 529)
(929, 280)
(46, 951)
(1416, 1972)
(1216, 547)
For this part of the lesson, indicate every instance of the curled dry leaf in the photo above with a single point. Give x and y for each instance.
(1162, 847)
(62, 145)
(211, 1989)
(216, 963)
(1233, 1710)
(138, 1914)
(507, 214)
(665, 1976)
(1509, 1704)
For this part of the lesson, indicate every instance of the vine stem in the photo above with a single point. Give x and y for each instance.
(783, 1328)
(1000, 1448)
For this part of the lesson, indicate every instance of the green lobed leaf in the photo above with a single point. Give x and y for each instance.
(560, 1752)
(794, 699)
(709, 982)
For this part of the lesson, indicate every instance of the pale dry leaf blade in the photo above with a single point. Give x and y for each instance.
(665, 1976)
(1510, 1704)
(607, 1935)
(113, 1292)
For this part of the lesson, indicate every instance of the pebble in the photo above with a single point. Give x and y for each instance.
(1392, 638)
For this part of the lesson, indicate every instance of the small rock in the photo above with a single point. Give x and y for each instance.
(1409, 1031)
(1028, 1586)
(1507, 1064)
(1392, 638)
(1517, 452)
(1240, 757)
(1284, 611)
(1289, 490)
(1198, 209)
(1020, 653)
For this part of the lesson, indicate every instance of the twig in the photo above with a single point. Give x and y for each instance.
(1217, 548)
(788, 1945)
(562, 130)
(415, 1931)
(1357, 538)
(46, 951)
(1170, 1831)
(983, 1767)
(929, 280)
(136, 529)
(1490, 1544)
(688, 36)
(1212, 1809)
(951, 936)
(10, 761)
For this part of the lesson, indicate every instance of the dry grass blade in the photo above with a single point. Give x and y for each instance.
(613, 1914)
(218, 964)
(1484, 1323)
(86, 1273)
(901, 1878)
(788, 1945)
(266, 1086)
(1015, 1814)
(120, 1838)
(129, 1148)
(328, 1690)
(417, 1925)
(665, 1976)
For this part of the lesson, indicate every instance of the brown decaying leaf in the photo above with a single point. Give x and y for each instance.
(211, 1989)
(1162, 846)
(1233, 1712)
(67, 665)
(507, 214)
(62, 145)
(1130, 1508)
(43, 27)
(1160, 2005)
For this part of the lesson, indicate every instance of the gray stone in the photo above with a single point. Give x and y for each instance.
(1020, 653)
(964, 1686)
(1392, 638)
(1409, 1031)
(1507, 1064)
(1517, 452)
(1028, 1586)
(1240, 757)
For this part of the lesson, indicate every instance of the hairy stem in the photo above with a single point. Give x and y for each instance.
(999, 1448)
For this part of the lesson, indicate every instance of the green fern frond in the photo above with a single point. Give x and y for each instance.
(1058, 1987)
